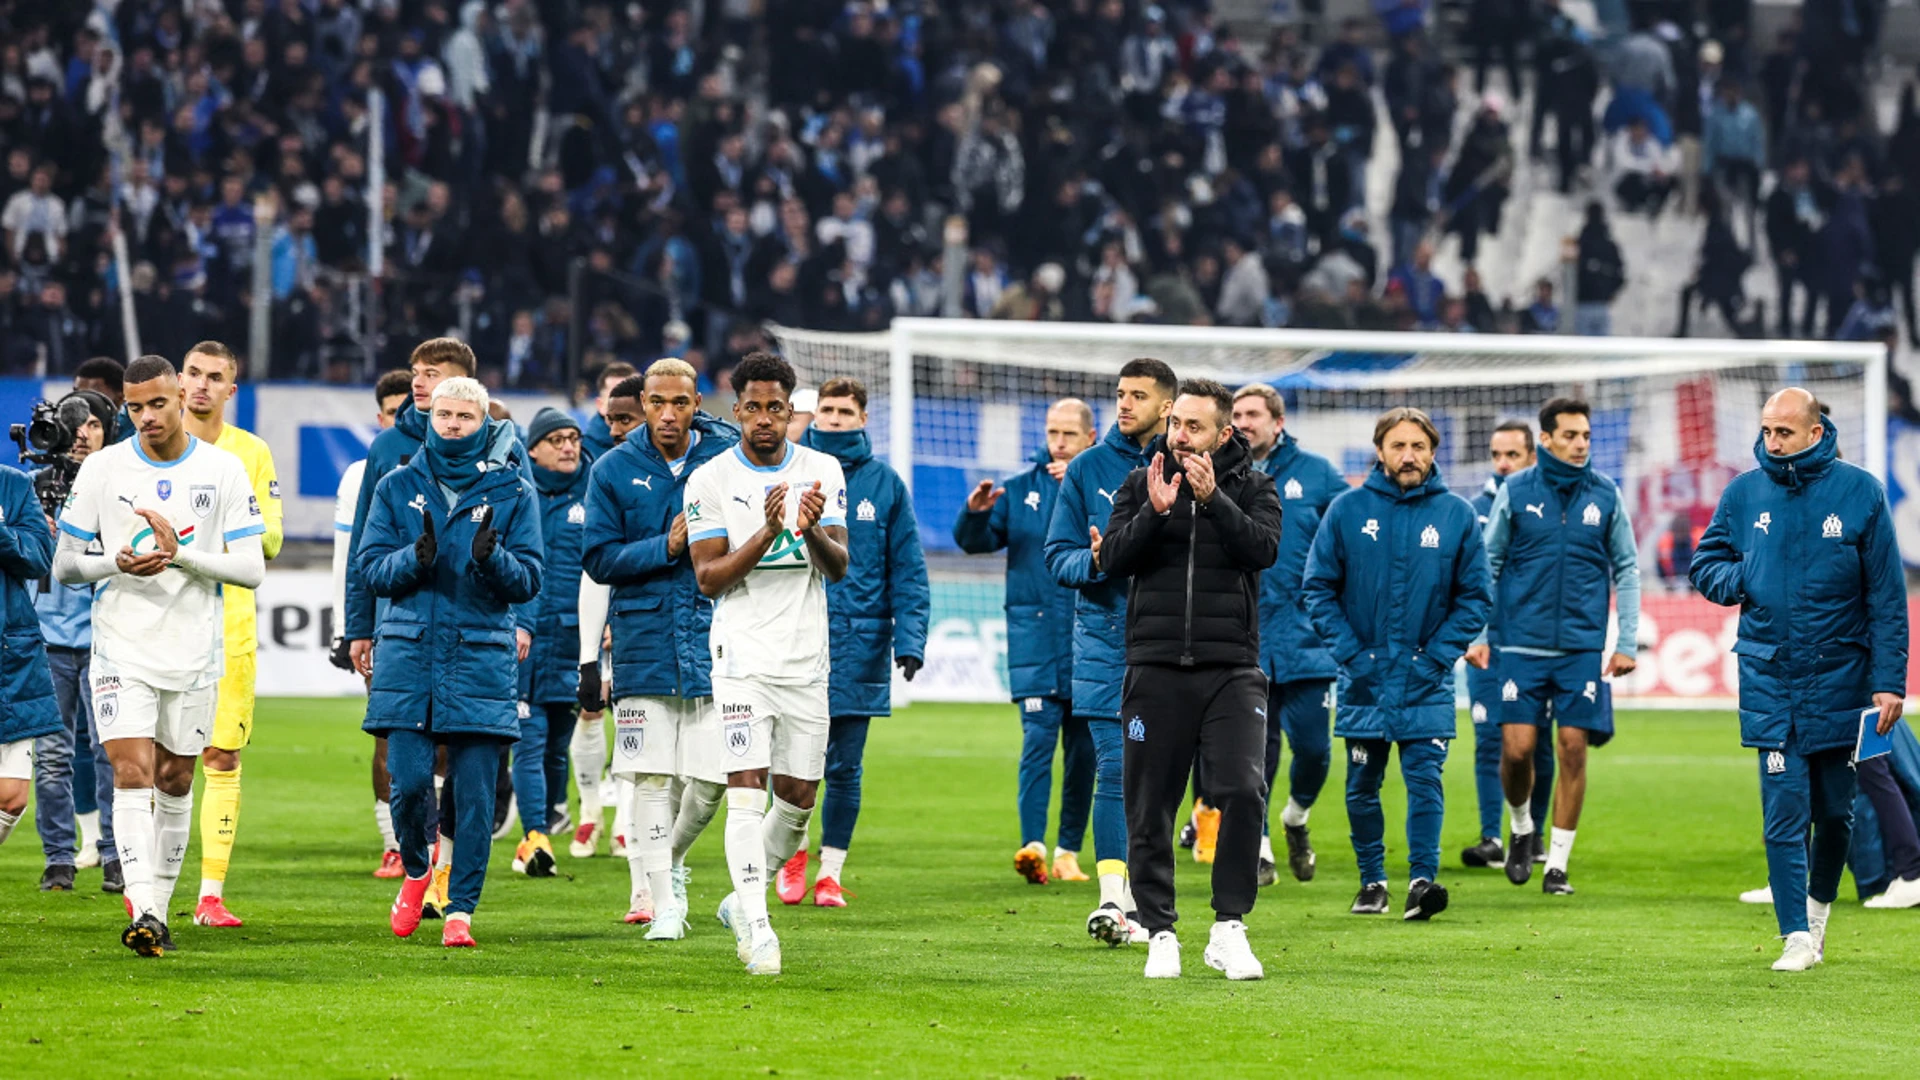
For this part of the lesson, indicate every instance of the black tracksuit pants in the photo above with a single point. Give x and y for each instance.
(1170, 716)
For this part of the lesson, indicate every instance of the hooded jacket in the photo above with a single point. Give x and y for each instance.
(1290, 648)
(1193, 594)
(27, 705)
(880, 608)
(1039, 610)
(659, 618)
(1397, 585)
(1805, 546)
(1100, 610)
(550, 675)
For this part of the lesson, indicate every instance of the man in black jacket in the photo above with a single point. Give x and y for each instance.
(1193, 530)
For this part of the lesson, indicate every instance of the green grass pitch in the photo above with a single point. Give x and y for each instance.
(947, 964)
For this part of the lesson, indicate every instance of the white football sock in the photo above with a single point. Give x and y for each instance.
(172, 821)
(651, 808)
(589, 749)
(1266, 848)
(697, 804)
(7, 822)
(1293, 814)
(88, 827)
(623, 807)
(1113, 890)
(785, 831)
(383, 817)
(446, 852)
(1126, 895)
(1059, 851)
(1559, 849)
(1522, 815)
(832, 861)
(1817, 910)
(747, 853)
(134, 840)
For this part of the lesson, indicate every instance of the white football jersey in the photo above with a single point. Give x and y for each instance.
(773, 625)
(165, 630)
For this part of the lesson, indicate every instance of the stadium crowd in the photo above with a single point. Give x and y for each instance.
(713, 167)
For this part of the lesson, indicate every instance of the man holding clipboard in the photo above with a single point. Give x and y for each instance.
(1804, 545)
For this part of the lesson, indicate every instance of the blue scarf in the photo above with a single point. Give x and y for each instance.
(457, 464)
(1560, 475)
(551, 482)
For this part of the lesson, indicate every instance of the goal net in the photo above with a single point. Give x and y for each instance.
(953, 402)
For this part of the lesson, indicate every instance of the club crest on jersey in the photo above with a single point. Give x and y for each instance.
(739, 737)
(1033, 500)
(200, 499)
(1763, 522)
(164, 489)
(1429, 537)
(1831, 528)
(1776, 763)
(577, 514)
(1509, 691)
(841, 500)
(1293, 490)
(1137, 730)
(865, 510)
(1591, 515)
(1371, 530)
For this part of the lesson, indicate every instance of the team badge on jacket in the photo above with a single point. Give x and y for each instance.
(1591, 516)
(577, 514)
(1293, 490)
(865, 510)
(1430, 537)
(1831, 528)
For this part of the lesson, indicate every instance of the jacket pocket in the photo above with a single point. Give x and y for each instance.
(397, 655)
(485, 666)
(1359, 679)
(25, 677)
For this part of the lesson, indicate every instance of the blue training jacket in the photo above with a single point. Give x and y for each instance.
(1100, 609)
(1290, 648)
(66, 611)
(879, 610)
(27, 705)
(1039, 610)
(391, 448)
(659, 618)
(443, 654)
(1398, 586)
(1805, 546)
(550, 675)
(1559, 543)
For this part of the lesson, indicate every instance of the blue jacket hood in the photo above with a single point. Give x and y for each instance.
(411, 421)
(1796, 469)
(852, 448)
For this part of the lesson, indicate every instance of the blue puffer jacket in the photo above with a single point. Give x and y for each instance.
(1805, 546)
(1398, 587)
(1039, 611)
(879, 610)
(443, 654)
(659, 619)
(550, 675)
(1483, 512)
(1290, 648)
(391, 449)
(1100, 609)
(596, 436)
(27, 706)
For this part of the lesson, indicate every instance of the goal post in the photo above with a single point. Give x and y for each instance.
(953, 402)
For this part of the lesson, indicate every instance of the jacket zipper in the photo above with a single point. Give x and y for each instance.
(1193, 540)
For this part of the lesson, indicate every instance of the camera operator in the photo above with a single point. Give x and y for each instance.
(73, 782)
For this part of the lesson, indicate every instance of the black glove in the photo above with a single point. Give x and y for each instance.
(909, 666)
(426, 549)
(340, 657)
(484, 538)
(589, 693)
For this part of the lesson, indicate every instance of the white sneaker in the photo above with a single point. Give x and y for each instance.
(681, 876)
(1228, 951)
(1163, 956)
(742, 945)
(1800, 953)
(1136, 930)
(1903, 893)
(1817, 926)
(763, 956)
(669, 923)
(1761, 895)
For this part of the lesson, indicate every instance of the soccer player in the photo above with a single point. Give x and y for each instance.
(1805, 546)
(433, 361)
(208, 376)
(1509, 450)
(452, 544)
(598, 437)
(876, 619)
(1039, 646)
(1299, 669)
(766, 524)
(549, 678)
(1141, 403)
(666, 729)
(1557, 538)
(391, 393)
(28, 710)
(181, 520)
(1397, 587)
(70, 769)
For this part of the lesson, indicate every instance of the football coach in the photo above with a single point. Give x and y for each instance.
(1192, 531)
